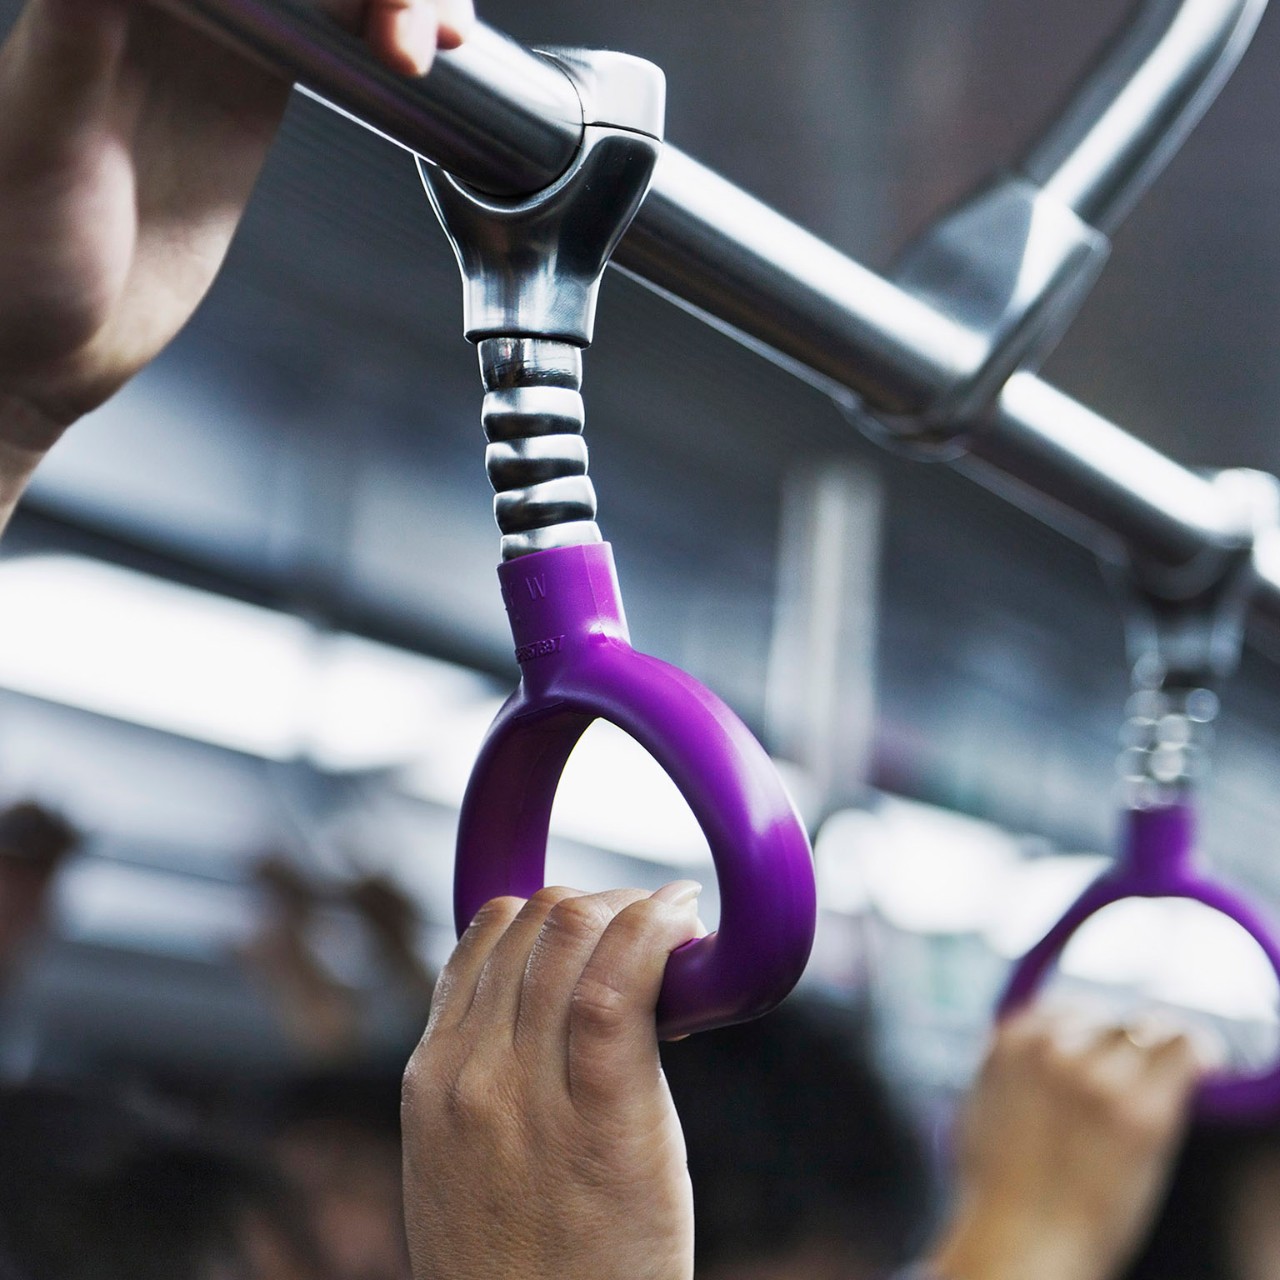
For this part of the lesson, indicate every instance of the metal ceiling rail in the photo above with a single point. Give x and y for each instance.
(507, 121)
(494, 114)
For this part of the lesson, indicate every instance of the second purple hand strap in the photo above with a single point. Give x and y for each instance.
(1156, 862)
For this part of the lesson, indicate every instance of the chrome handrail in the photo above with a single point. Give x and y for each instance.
(503, 119)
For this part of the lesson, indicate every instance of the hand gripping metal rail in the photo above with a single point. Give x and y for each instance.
(1184, 641)
(510, 123)
(531, 270)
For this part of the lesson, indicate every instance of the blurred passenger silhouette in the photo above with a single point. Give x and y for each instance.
(1221, 1218)
(1077, 1160)
(318, 1014)
(328, 1020)
(337, 1137)
(34, 843)
(803, 1166)
(394, 922)
(95, 1189)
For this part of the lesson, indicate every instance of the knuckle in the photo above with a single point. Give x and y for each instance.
(1179, 1049)
(417, 1086)
(599, 1007)
(1100, 1094)
(1023, 1034)
(635, 924)
(549, 895)
(437, 1096)
(496, 912)
(1096, 1096)
(1037, 1046)
(411, 1085)
(578, 919)
(466, 1096)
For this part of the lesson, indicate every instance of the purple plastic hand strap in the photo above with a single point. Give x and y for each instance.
(1157, 863)
(578, 666)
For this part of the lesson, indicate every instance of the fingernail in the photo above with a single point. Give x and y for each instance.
(678, 892)
(415, 34)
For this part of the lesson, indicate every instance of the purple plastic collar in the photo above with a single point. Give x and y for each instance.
(1156, 861)
(577, 665)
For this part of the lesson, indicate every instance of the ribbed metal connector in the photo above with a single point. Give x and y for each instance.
(533, 418)
(1166, 742)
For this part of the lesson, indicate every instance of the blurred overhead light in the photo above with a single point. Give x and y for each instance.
(374, 706)
(1035, 896)
(934, 871)
(122, 644)
(147, 651)
(1177, 953)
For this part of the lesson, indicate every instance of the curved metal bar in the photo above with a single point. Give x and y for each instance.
(1135, 109)
(1015, 260)
(502, 119)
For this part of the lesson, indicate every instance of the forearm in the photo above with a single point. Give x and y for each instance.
(26, 435)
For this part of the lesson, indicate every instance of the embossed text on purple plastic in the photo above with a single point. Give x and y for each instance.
(539, 649)
(534, 584)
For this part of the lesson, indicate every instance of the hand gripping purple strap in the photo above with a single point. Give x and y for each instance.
(577, 665)
(1156, 862)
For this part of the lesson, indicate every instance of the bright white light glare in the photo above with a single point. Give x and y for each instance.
(1035, 896)
(1266, 556)
(1177, 952)
(137, 648)
(126, 645)
(934, 871)
(613, 794)
(373, 706)
(440, 772)
(844, 844)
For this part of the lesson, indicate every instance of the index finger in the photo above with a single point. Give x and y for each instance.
(456, 987)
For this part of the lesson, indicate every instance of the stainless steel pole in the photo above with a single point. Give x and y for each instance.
(498, 116)
(1134, 110)
(509, 122)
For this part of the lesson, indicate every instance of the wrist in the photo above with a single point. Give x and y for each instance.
(984, 1243)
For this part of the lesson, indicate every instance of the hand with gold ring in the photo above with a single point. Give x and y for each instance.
(1065, 1147)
